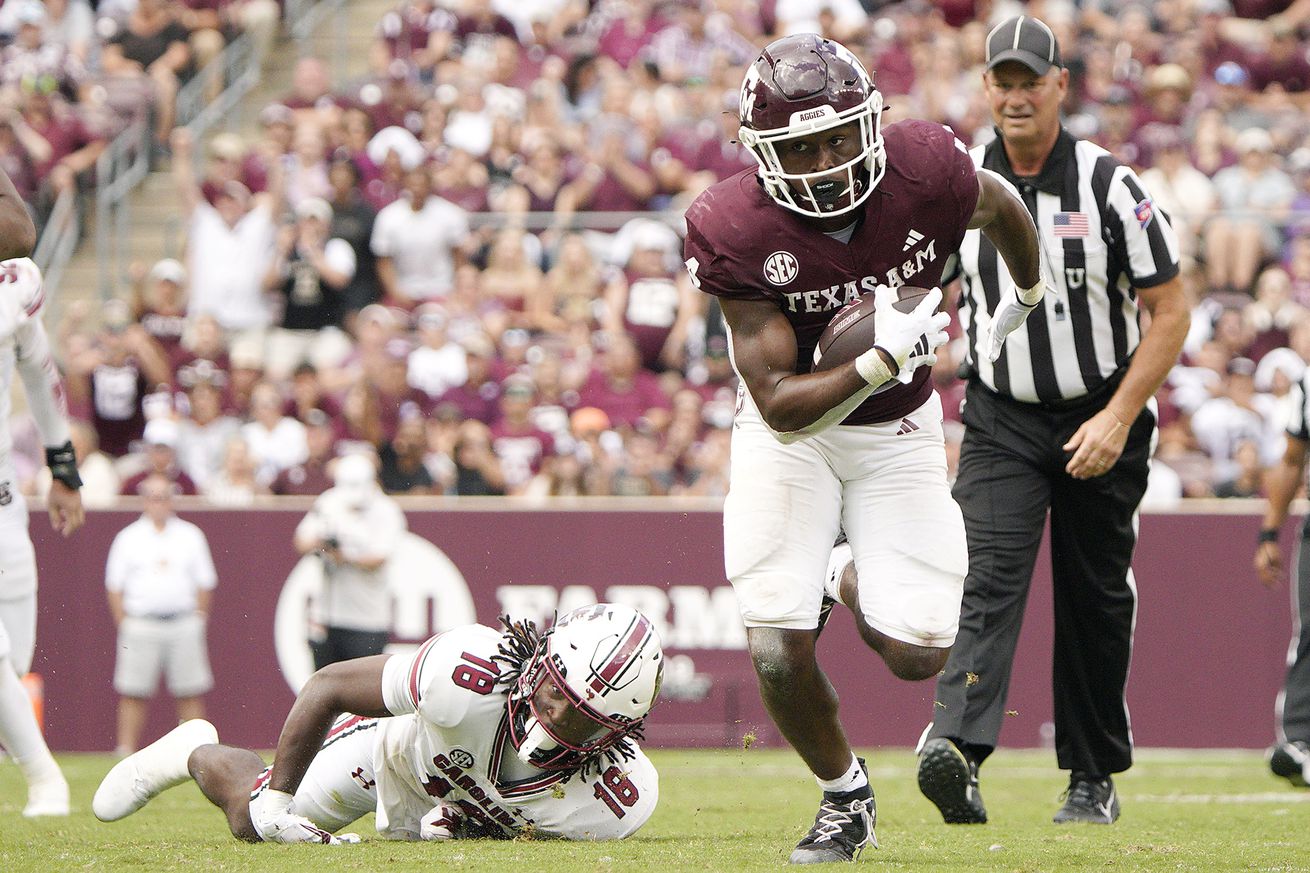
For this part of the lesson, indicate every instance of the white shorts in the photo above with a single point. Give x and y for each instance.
(338, 787)
(17, 584)
(885, 485)
(175, 647)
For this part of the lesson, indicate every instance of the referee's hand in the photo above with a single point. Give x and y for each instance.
(1096, 445)
(1268, 564)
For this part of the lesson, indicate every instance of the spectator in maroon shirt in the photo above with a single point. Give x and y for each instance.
(520, 445)
(311, 92)
(478, 397)
(63, 145)
(311, 477)
(159, 304)
(622, 389)
(479, 26)
(159, 441)
(1216, 47)
(609, 179)
(416, 31)
(625, 38)
(1282, 69)
(205, 349)
(114, 375)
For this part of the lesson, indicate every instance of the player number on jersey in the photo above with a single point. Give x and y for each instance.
(478, 675)
(616, 791)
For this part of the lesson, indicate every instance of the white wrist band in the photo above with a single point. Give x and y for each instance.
(872, 368)
(1031, 296)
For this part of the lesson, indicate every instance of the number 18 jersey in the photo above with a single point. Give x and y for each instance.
(451, 746)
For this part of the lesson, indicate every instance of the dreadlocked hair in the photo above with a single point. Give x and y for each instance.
(517, 646)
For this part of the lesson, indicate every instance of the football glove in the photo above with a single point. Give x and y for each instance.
(1013, 307)
(270, 814)
(910, 338)
(442, 822)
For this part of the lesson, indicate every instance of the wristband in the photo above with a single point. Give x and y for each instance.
(1030, 297)
(872, 368)
(63, 465)
(1268, 535)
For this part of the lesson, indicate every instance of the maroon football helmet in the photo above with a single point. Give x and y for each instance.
(799, 85)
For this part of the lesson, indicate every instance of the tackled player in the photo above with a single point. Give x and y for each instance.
(476, 734)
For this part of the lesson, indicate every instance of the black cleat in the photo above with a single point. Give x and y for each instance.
(842, 828)
(1089, 800)
(1292, 762)
(949, 779)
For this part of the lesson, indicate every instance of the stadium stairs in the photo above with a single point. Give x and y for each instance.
(157, 222)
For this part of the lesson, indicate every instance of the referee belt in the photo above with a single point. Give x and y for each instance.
(166, 616)
(1097, 397)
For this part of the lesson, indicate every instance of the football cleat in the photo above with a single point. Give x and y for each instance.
(825, 612)
(1292, 762)
(137, 778)
(949, 779)
(842, 828)
(47, 797)
(1089, 800)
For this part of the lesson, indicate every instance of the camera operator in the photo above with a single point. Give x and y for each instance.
(353, 528)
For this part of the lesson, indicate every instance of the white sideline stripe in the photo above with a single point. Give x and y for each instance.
(1237, 799)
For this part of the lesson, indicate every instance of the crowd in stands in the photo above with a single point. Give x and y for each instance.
(468, 262)
(74, 74)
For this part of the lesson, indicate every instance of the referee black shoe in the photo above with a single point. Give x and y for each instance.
(1089, 799)
(841, 829)
(949, 778)
(1292, 762)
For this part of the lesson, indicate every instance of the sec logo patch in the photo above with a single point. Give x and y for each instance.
(780, 268)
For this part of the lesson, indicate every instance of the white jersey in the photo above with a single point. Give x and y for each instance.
(25, 348)
(448, 745)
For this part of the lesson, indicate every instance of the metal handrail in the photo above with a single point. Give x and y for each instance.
(59, 237)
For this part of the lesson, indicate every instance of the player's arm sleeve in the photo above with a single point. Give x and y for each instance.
(1147, 243)
(36, 366)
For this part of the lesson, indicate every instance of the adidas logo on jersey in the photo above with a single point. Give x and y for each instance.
(907, 426)
(911, 240)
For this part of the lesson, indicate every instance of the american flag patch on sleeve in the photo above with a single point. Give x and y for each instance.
(1144, 213)
(1070, 224)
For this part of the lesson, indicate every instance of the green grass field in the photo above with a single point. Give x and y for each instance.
(744, 810)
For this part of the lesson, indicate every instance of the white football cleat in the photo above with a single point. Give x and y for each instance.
(159, 766)
(47, 797)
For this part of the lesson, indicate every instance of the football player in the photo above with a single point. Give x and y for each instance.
(476, 734)
(840, 206)
(24, 348)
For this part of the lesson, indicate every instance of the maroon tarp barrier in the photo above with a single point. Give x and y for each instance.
(1208, 660)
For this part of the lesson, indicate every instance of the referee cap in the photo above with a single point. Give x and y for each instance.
(1024, 39)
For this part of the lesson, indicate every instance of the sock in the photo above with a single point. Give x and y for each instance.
(19, 732)
(851, 780)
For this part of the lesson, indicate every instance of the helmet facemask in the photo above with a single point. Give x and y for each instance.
(862, 173)
(604, 665)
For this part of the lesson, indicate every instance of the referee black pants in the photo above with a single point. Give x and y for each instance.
(1294, 700)
(346, 644)
(1011, 473)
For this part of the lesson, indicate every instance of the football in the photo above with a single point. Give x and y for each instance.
(850, 332)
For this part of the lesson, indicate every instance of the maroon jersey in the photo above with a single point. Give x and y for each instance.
(742, 245)
(649, 312)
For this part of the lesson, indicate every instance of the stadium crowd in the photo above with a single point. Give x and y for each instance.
(468, 263)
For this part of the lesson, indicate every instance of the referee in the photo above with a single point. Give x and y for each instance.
(1060, 418)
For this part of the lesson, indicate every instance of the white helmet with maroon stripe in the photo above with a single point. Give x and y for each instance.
(607, 662)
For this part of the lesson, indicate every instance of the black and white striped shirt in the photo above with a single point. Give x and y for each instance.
(1102, 236)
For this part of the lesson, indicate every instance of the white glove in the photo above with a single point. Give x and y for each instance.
(910, 338)
(1010, 312)
(441, 823)
(270, 814)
